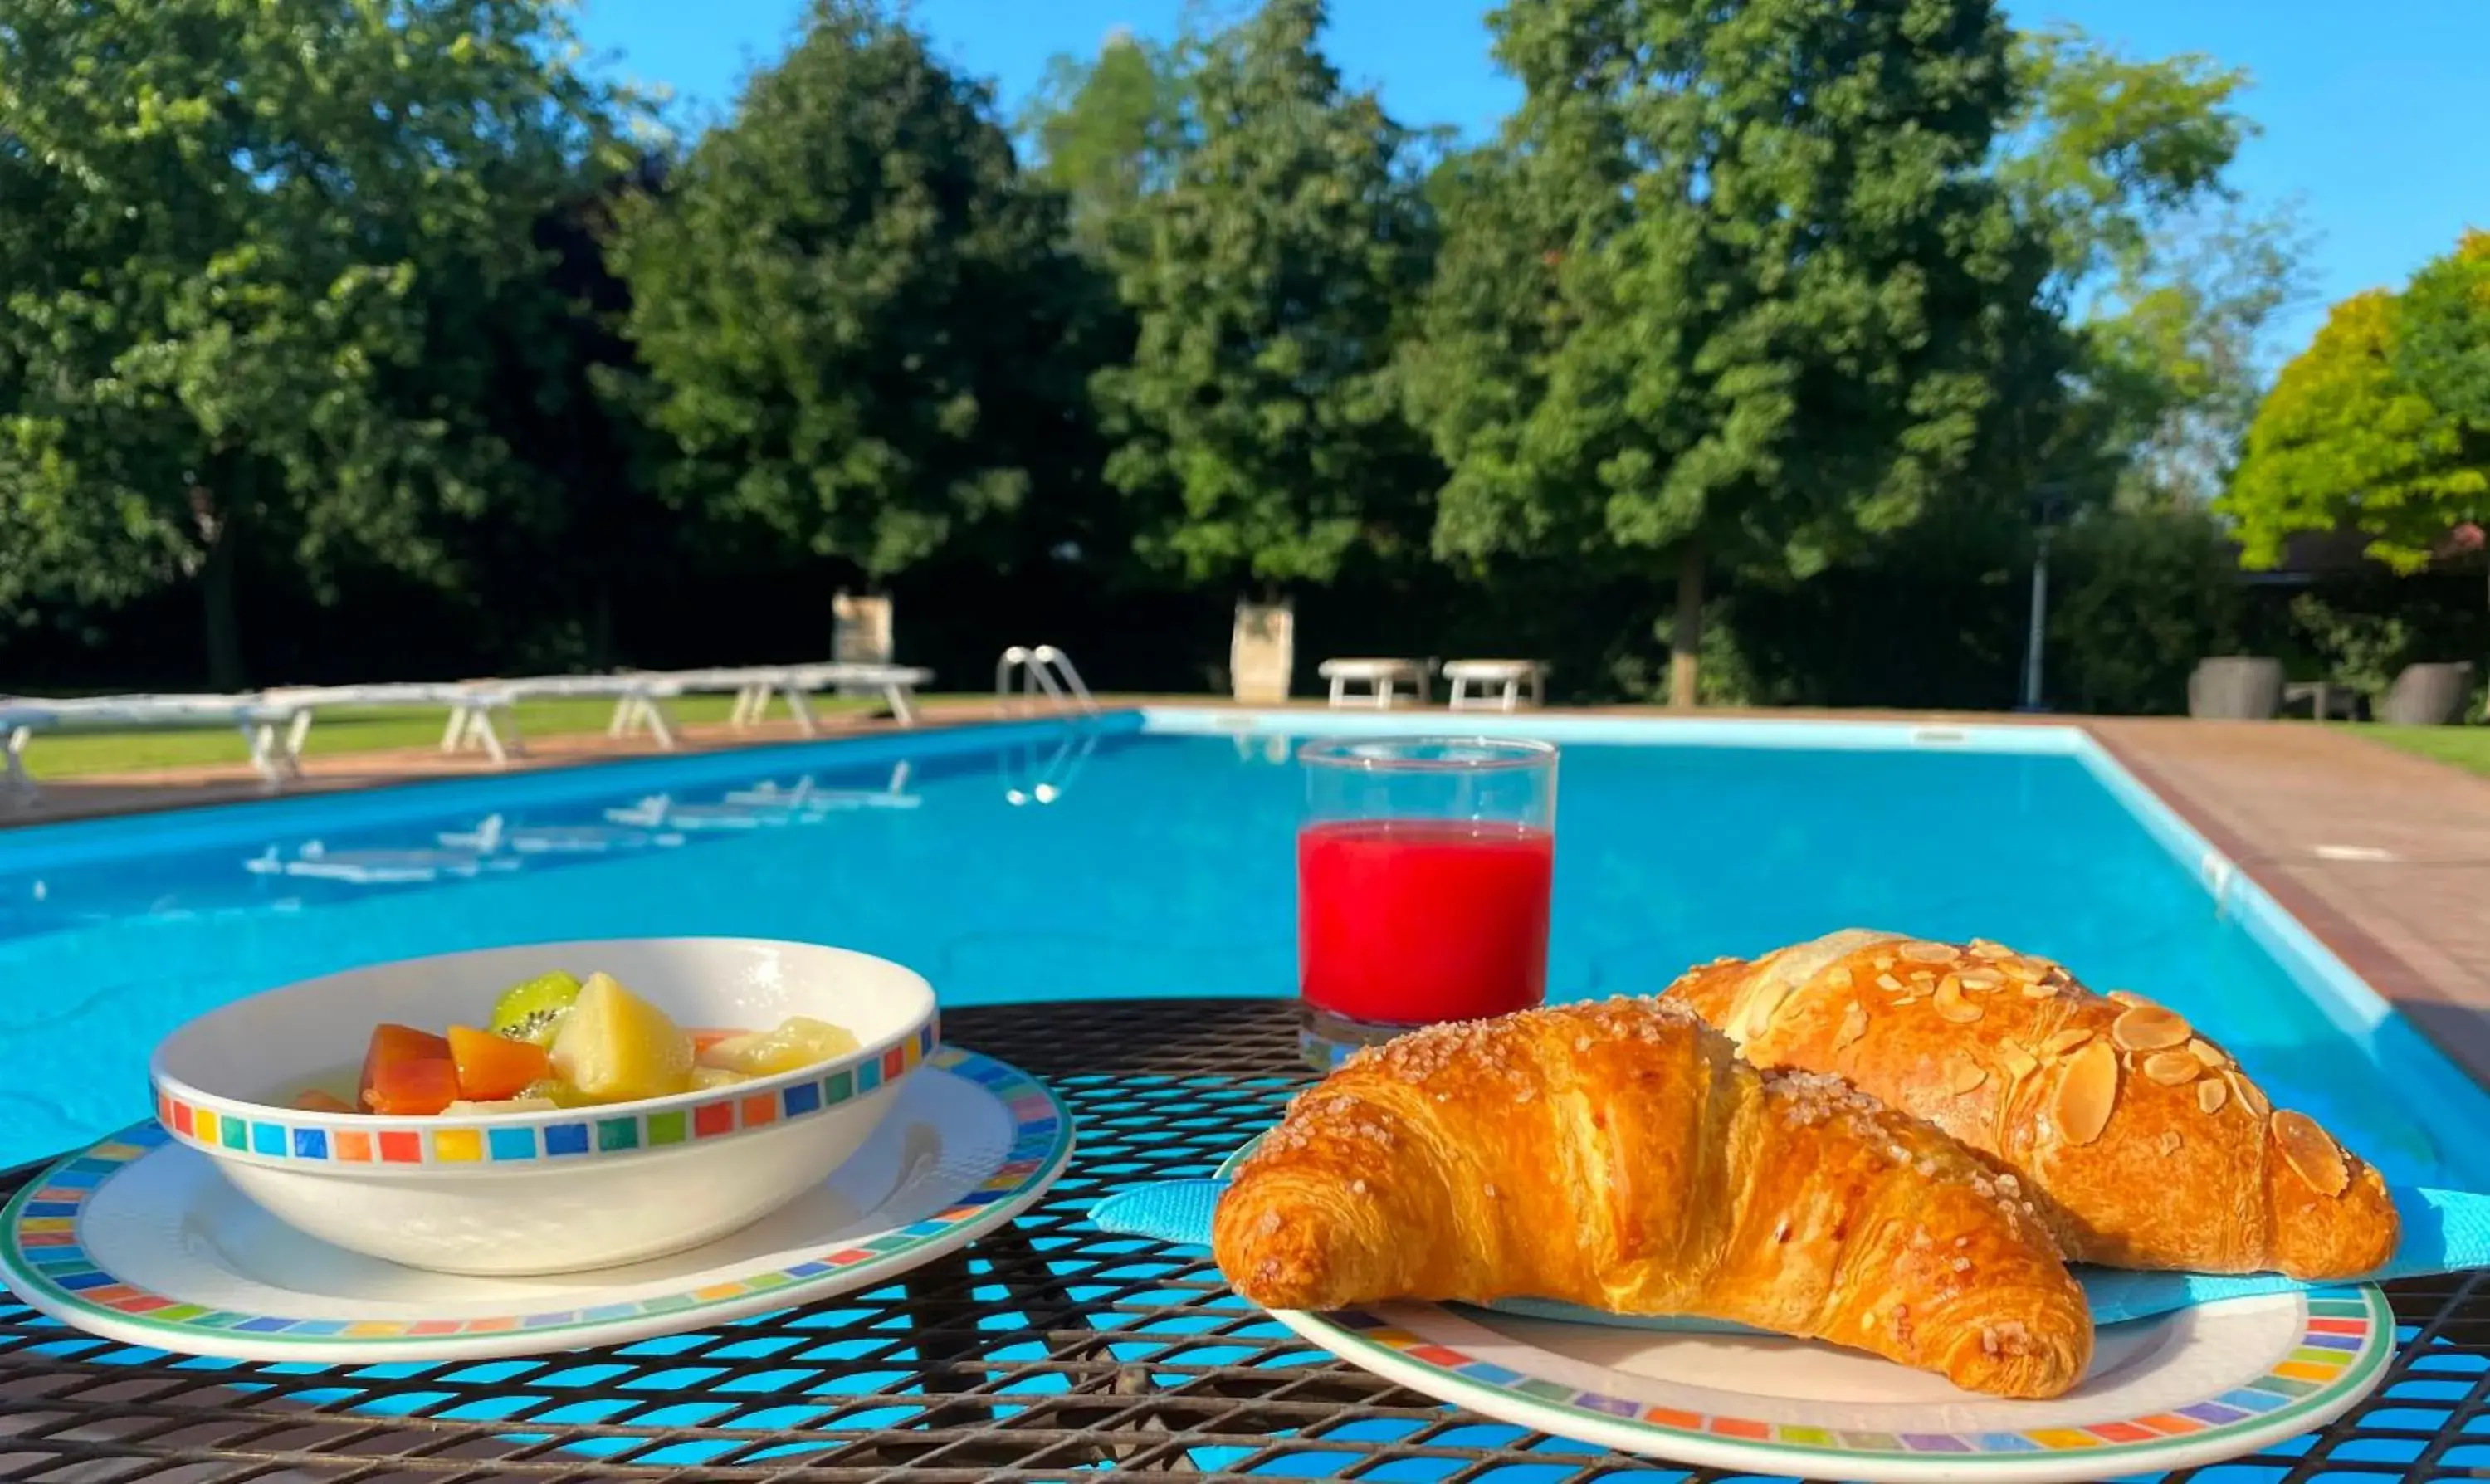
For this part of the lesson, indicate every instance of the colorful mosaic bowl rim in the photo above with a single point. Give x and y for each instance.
(42, 1218)
(531, 1143)
(2331, 1316)
(914, 1041)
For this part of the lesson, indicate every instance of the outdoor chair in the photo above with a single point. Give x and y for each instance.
(2431, 696)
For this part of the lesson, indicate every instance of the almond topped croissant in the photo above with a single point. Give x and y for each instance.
(1621, 1156)
(2143, 1143)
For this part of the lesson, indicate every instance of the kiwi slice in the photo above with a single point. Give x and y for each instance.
(532, 1012)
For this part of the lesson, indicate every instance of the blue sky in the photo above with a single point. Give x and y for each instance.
(2374, 113)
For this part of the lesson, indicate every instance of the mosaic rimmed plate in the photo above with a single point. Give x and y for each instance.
(2177, 1391)
(138, 1238)
(2174, 1391)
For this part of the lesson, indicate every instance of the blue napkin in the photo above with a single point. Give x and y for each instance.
(2443, 1231)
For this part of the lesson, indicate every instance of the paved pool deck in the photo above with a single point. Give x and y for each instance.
(2383, 855)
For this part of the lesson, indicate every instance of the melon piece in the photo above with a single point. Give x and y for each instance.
(492, 1067)
(615, 1047)
(800, 1041)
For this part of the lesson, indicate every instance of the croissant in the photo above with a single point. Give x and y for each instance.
(2144, 1144)
(1620, 1155)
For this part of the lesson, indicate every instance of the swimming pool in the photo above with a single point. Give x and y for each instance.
(1151, 854)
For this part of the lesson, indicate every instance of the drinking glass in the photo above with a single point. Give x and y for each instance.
(1423, 873)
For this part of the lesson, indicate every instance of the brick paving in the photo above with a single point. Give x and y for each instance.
(2383, 855)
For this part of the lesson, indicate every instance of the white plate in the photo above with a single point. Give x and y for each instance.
(141, 1240)
(2174, 1391)
(2177, 1391)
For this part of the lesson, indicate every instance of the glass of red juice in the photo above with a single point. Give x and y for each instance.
(1423, 874)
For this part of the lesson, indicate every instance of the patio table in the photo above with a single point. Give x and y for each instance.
(1049, 1348)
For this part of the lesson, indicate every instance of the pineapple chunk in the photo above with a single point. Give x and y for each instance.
(615, 1046)
(706, 1079)
(465, 1108)
(798, 1041)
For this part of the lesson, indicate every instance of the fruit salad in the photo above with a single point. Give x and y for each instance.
(556, 1041)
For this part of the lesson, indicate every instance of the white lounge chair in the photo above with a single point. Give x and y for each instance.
(898, 684)
(263, 725)
(635, 699)
(753, 686)
(479, 712)
(1500, 683)
(1382, 677)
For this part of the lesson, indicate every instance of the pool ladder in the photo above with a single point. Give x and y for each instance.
(1045, 671)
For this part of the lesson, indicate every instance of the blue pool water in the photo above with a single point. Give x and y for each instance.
(1031, 861)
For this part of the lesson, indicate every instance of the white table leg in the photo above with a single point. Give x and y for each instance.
(20, 781)
(902, 707)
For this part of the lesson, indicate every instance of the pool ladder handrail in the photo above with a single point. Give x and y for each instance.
(1044, 669)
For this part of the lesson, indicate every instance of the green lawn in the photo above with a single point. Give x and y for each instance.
(347, 730)
(2467, 747)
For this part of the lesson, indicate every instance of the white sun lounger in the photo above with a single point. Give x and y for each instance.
(479, 712)
(753, 686)
(262, 723)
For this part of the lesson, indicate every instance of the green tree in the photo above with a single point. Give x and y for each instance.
(1106, 133)
(853, 308)
(1258, 427)
(249, 253)
(2171, 281)
(2444, 348)
(1741, 291)
(2344, 440)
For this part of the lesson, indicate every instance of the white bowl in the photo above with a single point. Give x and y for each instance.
(542, 1192)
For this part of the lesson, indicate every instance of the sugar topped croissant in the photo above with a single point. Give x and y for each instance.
(1620, 1155)
(2144, 1143)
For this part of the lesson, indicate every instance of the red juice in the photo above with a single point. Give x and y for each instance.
(1406, 922)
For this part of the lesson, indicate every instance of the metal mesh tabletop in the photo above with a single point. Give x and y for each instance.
(1046, 1349)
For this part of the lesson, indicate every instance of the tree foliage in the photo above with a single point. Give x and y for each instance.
(253, 256)
(2169, 280)
(1742, 286)
(2344, 439)
(1106, 133)
(851, 307)
(1257, 426)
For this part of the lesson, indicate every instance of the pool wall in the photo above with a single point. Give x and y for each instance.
(2452, 1101)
